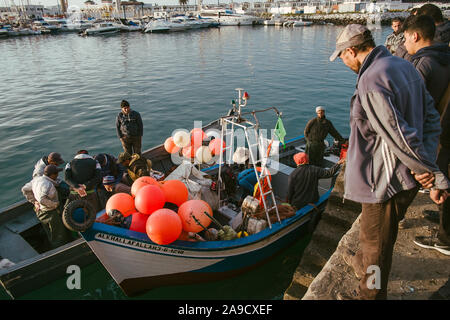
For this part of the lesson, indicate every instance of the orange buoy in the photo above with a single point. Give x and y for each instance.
(175, 191)
(138, 221)
(149, 198)
(197, 137)
(140, 182)
(193, 210)
(163, 226)
(170, 146)
(122, 202)
(214, 146)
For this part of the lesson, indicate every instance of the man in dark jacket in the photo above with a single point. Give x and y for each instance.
(316, 131)
(129, 128)
(84, 174)
(442, 26)
(432, 60)
(303, 182)
(394, 129)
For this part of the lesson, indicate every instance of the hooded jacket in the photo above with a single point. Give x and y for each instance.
(394, 129)
(442, 33)
(40, 166)
(433, 64)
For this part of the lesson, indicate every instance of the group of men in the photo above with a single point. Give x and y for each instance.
(399, 139)
(92, 178)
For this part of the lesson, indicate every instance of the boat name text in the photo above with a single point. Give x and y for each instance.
(137, 244)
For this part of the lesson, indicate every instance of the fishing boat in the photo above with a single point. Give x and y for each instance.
(138, 264)
(33, 263)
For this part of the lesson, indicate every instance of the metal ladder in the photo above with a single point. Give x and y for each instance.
(250, 129)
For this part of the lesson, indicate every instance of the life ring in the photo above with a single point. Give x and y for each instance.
(71, 222)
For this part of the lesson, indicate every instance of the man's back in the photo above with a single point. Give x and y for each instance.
(433, 64)
(392, 117)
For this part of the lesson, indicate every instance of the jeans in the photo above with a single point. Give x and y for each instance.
(131, 144)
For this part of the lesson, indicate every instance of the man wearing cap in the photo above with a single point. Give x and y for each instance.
(43, 195)
(394, 129)
(316, 131)
(52, 158)
(129, 128)
(137, 166)
(303, 182)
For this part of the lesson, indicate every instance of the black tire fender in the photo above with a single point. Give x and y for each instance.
(69, 221)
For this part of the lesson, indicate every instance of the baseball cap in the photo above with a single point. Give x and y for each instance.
(352, 35)
(51, 169)
(55, 157)
(300, 158)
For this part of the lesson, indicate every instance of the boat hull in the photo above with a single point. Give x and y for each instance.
(137, 264)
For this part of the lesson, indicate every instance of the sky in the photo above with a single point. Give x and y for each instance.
(80, 3)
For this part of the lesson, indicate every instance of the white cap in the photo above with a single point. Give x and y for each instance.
(320, 108)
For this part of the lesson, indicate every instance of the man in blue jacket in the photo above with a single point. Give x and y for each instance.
(394, 130)
(129, 128)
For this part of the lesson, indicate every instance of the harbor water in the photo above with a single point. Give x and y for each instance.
(62, 93)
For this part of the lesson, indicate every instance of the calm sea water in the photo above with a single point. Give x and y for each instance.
(62, 93)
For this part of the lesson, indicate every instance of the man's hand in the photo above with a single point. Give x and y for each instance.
(425, 179)
(341, 161)
(438, 196)
(81, 190)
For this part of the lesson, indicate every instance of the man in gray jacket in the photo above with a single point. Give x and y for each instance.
(394, 130)
(42, 193)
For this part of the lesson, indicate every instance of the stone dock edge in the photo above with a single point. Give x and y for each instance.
(416, 274)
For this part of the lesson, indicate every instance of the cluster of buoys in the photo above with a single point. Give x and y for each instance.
(161, 209)
(191, 145)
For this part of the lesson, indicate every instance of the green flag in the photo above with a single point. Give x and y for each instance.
(280, 132)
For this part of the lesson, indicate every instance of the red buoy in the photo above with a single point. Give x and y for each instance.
(149, 198)
(192, 215)
(163, 226)
(140, 182)
(138, 222)
(122, 202)
(175, 191)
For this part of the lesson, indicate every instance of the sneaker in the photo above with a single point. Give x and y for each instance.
(432, 216)
(433, 243)
(349, 258)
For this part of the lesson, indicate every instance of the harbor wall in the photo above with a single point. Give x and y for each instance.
(349, 18)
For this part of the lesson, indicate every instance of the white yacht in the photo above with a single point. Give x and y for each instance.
(157, 25)
(228, 17)
(102, 28)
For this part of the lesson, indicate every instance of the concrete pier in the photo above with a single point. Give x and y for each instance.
(416, 273)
